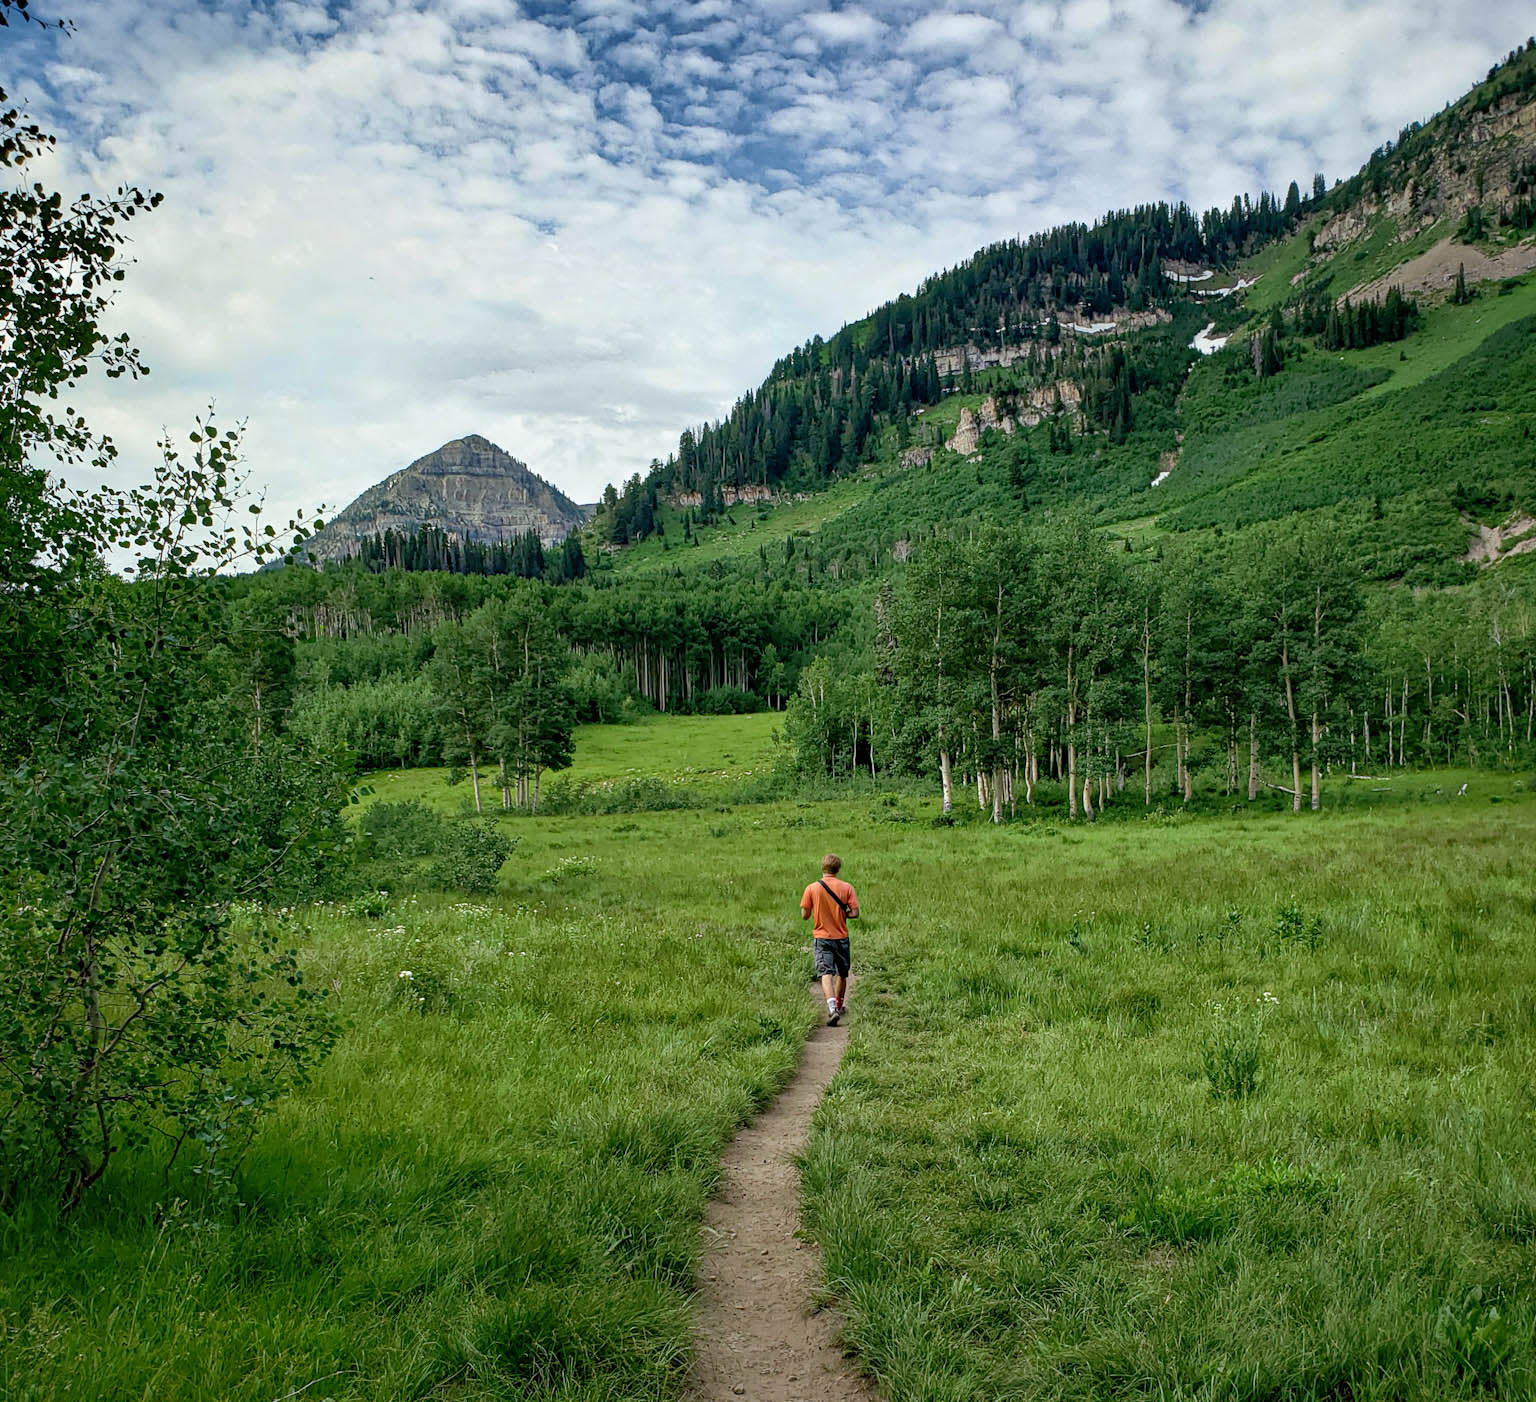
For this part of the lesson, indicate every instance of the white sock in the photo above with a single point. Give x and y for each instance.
(831, 1005)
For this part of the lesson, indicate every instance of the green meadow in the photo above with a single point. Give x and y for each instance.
(696, 756)
(1226, 1105)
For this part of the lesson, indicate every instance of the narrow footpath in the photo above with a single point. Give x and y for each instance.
(757, 1337)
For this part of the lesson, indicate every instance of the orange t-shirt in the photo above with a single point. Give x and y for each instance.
(830, 924)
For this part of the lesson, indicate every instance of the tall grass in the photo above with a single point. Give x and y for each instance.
(1031, 1178)
(494, 1190)
(1231, 1109)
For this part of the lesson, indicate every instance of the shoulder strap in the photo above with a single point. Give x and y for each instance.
(842, 905)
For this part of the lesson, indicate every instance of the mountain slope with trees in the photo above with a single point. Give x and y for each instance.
(1074, 324)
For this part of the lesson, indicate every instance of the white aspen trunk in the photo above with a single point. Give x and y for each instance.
(1071, 738)
(1429, 705)
(474, 778)
(506, 787)
(1290, 711)
(1317, 734)
(1146, 704)
(946, 780)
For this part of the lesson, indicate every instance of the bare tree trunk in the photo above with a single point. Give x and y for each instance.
(1317, 734)
(946, 780)
(997, 724)
(1178, 749)
(474, 778)
(1429, 707)
(1146, 706)
(1290, 710)
(1253, 756)
(1071, 739)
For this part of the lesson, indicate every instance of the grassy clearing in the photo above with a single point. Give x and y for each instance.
(1274, 268)
(1027, 1188)
(744, 530)
(702, 755)
(1449, 332)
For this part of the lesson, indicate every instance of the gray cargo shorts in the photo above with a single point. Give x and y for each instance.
(831, 958)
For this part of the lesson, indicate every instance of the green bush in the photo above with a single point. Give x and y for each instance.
(1231, 1057)
(471, 858)
(468, 853)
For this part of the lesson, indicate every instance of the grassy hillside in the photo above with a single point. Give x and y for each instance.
(1403, 438)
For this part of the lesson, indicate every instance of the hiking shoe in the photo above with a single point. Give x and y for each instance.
(832, 1016)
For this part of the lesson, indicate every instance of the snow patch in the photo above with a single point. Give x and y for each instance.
(1204, 275)
(1207, 344)
(1161, 477)
(1237, 286)
(1097, 328)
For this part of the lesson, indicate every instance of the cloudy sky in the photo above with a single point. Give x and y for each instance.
(578, 227)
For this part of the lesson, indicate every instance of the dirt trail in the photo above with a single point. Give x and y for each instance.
(756, 1336)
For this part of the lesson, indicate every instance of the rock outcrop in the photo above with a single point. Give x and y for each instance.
(1030, 407)
(750, 492)
(1486, 160)
(469, 488)
(1490, 544)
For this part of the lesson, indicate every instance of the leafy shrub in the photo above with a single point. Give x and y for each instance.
(1477, 1337)
(726, 701)
(1231, 1057)
(471, 858)
(380, 722)
(423, 988)
(371, 905)
(408, 829)
(567, 798)
(600, 693)
(1293, 927)
(468, 852)
(571, 866)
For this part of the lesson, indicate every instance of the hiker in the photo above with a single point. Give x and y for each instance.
(833, 903)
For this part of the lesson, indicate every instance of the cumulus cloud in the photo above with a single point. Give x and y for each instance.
(951, 32)
(579, 229)
(844, 26)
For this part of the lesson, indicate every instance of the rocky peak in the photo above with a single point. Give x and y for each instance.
(470, 488)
